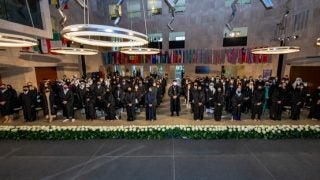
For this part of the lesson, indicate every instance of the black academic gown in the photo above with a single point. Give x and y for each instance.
(7, 97)
(218, 100)
(89, 102)
(109, 104)
(98, 93)
(68, 111)
(277, 100)
(199, 101)
(257, 97)
(129, 100)
(150, 106)
(297, 100)
(174, 103)
(315, 105)
(235, 101)
(28, 102)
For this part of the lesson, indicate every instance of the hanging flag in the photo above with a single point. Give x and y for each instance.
(53, 2)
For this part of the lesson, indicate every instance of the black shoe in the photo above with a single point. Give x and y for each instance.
(177, 114)
(171, 114)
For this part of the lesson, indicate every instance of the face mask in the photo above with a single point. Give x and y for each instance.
(175, 84)
(25, 90)
(219, 90)
(129, 90)
(238, 93)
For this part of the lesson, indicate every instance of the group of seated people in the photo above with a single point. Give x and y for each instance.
(114, 94)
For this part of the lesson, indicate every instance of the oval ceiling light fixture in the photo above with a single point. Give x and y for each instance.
(139, 50)
(74, 51)
(13, 40)
(95, 35)
(318, 42)
(276, 50)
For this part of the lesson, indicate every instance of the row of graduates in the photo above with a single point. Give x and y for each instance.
(111, 95)
(238, 96)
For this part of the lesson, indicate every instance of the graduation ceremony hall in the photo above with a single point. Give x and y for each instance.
(159, 89)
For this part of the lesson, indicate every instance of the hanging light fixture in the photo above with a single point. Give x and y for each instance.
(95, 35)
(276, 50)
(12, 40)
(140, 50)
(284, 39)
(318, 42)
(80, 33)
(74, 51)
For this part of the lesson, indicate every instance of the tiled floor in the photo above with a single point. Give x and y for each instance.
(174, 159)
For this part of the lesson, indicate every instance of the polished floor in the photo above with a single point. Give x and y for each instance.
(170, 159)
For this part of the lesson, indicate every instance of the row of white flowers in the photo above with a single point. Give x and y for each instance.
(212, 128)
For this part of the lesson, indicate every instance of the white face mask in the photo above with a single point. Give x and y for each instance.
(174, 83)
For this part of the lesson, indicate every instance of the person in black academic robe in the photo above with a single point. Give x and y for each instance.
(28, 102)
(230, 91)
(210, 93)
(67, 98)
(5, 103)
(297, 100)
(247, 93)
(98, 92)
(159, 94)
(277, 99)
(129, 100)
(89, 102)
(48, 103)
(109, 104)
(199, 102)
(81, 90)
(150, 103)
(218, 100)
(15, 100)
(258, 99)
(315, 105)
(118, 94)
(192, 91)
(174, 94)
(236, 103)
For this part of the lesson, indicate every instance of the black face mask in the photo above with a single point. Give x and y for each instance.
(25, 90)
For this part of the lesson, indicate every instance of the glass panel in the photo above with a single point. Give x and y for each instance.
(17, 12)
(177, 36)
(154, 7)
(236, 32)
(134, 8)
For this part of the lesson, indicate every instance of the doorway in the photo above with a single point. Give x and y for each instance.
(45, 73)
(308, 74)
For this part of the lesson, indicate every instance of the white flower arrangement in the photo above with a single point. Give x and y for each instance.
(191, 131)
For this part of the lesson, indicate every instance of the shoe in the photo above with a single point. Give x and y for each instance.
(73, 120)
(117, 117)
(66, 120)
(171, 114)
